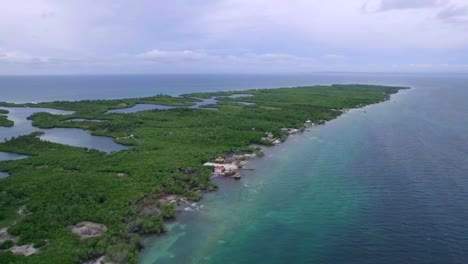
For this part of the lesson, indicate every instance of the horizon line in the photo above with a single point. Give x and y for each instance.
(226, 73)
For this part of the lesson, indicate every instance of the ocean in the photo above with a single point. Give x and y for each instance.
(23, 89)
(387, 183)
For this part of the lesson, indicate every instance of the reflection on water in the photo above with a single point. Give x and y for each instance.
(9, 156)
(80, 138)
(22, 125)
(239, 95)
(147, 107)
(202, 104)
(69, 136)
(140, 107)
(85, 120)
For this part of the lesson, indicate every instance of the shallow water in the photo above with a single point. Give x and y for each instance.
(246, 103)
(85, 120)
(68, 136)
(239, 95)
(383, 184)
(140, 107)
(147, 107)
(9, 156)
(22, 125)
(80, 138)
(203, 104)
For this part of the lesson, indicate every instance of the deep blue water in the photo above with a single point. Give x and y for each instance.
(50, 88)
(384, 184)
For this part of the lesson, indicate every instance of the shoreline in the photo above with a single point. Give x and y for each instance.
(225, 179)
(269, 132)
(276, 141)
(229, 182)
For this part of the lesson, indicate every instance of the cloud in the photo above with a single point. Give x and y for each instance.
(171, 56)
(270, 58)
(20, 57)
(387, 5)
(229, 35)
(319, 27)
(162, 56)
(334, 57)
(454, 14)
(410, 4)
(439, 67)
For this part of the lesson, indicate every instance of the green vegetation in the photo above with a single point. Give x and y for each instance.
(168, 211)
(4, 121)
(7, 244)
(100, 106)
(61, 185)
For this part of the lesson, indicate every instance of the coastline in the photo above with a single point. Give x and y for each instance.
(226, 182)
(278, 135)
(233, 163)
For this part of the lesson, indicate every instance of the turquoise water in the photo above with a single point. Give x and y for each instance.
(384, 184)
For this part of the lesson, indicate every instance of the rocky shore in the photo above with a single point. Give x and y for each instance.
(231, 164)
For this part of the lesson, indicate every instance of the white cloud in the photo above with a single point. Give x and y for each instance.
(270, 58)
(334, 57)
(174, 56)
(37, 26)
(386, 5)
(247, 23)
(231, 35)
(171, 56)
(445, 67)
(20, 57)
(454, 14)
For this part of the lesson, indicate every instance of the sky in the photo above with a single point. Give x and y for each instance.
(232, 36)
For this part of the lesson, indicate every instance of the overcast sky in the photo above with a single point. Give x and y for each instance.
(238, 36)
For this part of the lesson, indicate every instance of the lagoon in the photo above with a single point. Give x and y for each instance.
(80, 138)
(9, 156)
(147, 107)
(69, 136)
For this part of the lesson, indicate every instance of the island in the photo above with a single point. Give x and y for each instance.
(4, 121)
(67, 204)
